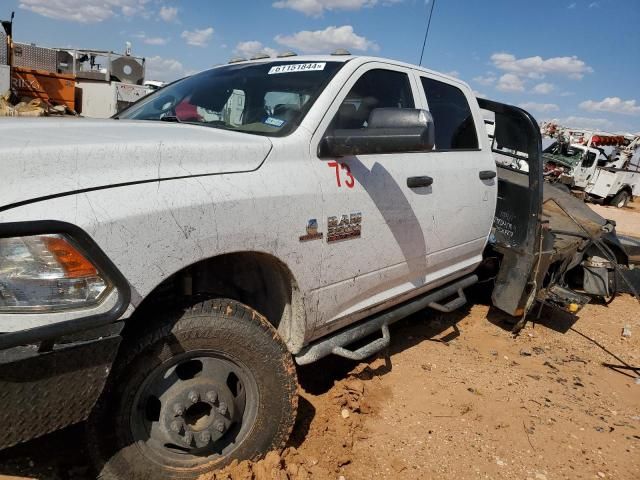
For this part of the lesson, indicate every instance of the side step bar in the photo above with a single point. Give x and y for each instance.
(335, 344)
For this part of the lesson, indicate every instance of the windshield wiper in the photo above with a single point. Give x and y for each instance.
(170, 118)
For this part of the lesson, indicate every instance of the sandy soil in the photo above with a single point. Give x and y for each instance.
(627, 219)
(455, 397)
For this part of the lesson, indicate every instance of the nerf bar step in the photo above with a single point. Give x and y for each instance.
(335, 344)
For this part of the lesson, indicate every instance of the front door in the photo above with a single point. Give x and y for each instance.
(375, 247)
(584, 170)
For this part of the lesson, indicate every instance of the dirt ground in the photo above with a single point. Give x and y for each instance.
(627, 219)
(456, 396)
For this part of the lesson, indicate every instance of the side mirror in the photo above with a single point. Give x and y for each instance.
(389, 130)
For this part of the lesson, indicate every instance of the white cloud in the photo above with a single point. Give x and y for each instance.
(584, 122)
(83, 11)
(543, 88)
(165, 69)
(327, 40)
(155, 41)
(198, 37)
(151, 40)
(510, 83)
(129, 11)
(486, 80)
(613, 105)
(252, 47)
(315, 8)
(453, 73)
(540, 107)
(168, 14)
(572, 5)
(538, 67)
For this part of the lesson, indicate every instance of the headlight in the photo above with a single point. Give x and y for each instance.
(47, 272)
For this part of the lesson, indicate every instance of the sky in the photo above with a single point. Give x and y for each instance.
(575, 61)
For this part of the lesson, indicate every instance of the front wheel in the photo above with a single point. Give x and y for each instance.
(621, 199)
(208, 385)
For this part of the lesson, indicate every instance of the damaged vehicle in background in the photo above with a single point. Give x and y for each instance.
(601, 168)
(163, 272)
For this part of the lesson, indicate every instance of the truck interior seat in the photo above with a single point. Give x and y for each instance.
(348, 117)
(286, 111)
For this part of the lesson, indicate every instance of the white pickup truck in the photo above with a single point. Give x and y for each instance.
(162, 272)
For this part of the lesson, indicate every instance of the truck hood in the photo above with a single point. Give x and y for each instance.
(47, 157)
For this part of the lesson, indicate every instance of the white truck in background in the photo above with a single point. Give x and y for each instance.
(602, 168)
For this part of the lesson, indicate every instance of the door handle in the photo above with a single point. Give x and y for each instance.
(417, 182)
(487, 174)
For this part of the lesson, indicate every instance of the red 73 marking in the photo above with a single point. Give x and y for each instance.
(349, 181)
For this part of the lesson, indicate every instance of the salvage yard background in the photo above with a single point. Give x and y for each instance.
(456, 397)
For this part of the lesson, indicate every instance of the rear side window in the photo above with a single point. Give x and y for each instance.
(452, 117)
(375, 89)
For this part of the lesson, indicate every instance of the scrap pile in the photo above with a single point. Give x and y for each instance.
(13, 106)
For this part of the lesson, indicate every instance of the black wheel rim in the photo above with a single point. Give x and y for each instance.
(194, 409)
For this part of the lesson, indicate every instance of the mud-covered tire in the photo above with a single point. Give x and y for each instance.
(621, 199)
(222, 329)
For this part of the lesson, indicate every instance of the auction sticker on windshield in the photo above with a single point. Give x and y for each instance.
(274, 122)
(297, 67)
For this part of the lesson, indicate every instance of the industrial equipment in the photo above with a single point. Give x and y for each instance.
(93, 83)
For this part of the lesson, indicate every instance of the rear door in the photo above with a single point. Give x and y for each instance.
(464, 182)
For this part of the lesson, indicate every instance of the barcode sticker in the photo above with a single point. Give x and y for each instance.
(297, 67)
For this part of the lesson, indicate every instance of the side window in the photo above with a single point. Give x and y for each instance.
(375, 89)
(452, 117)
(588, 159)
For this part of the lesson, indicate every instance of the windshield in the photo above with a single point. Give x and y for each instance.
(268, 98)
(563, 153)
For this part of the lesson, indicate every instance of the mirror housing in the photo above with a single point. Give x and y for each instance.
(389, 130)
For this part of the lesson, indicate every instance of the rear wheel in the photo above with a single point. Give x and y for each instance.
(621, 199)
(209, 385)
